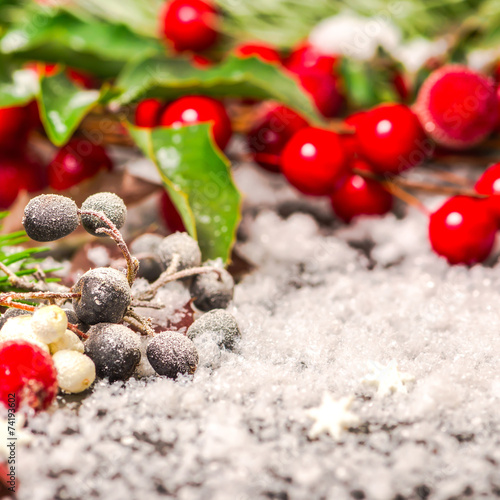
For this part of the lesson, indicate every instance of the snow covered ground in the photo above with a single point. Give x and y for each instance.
(323, 307)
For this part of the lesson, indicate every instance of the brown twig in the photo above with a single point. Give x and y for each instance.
(18, 281)
(138, 322)
(27, 307)
(9, 296)
(143, 303)
(112, 232)
(165, 278)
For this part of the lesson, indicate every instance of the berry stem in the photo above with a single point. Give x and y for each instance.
(138, 322)
(112, 232)
(167, 277)
(75, 329)
(8, 297)
(143, 303)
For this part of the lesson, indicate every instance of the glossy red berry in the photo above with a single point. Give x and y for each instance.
(147, 113)
(82, 78)
(201, 62)
(170, 214)
(463, 230)
(14, 123)
(189, 24)
(11, 181)
(260, 50)
(360, 196)
(306, 57)
(391, 139)
(31, 172)
(325, 91)
(314, 161)
(191, 110)
(457, 106)
(75, 162)
(27, 371)
(350, 140)
(270, 132)
(489, 183)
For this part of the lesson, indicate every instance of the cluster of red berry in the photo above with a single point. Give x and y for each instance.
(456, 109)
(22, 169)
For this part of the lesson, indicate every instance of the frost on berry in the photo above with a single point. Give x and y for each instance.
(49, 217)
(182, 245)
(49, 323)
(212, 290)
(105, 296)
(145, 249)
(110, 204)
(220, 324)
(20, 328)
(172, 353)
(12, 312)
(75, 371)
(115, 350)
(68, 341)
(28, 372)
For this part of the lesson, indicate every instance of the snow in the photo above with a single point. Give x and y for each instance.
(322, 303)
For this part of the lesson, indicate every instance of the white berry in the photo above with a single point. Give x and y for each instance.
(75, 371)
(20, 328)
(49, 323)
(69, 341)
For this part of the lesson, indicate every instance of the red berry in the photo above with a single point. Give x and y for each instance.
(314, 161)
(170, 215)
(189, 24)
(462, 230)
(82, 78)
(350, 140)
(325, 91)
(33, 173)
(11, 181)
(489, 183)
(27, 371)
(75, 162)
(147, 113)
(191, 110)
(201, 62)
(14, 122)
(391, 139)
(270, 132)
(261, 50)
(457, 106)
(360, 196)
(306, 57)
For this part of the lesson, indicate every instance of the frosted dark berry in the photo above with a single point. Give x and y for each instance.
(114, 349)
(49, 217)
(212, 291)
(218, 323)
(172, 353)
(181, 244)
(27, 371)
(110, 204)
(145, 249)
(105, 296)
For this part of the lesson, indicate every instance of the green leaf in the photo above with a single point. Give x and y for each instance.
(57, 35)
(17, 87)
(197, 177)
(234, 77)
(63, 105)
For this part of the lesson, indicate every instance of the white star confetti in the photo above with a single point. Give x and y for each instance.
(388, 378)
(332, 417)
(22, 437)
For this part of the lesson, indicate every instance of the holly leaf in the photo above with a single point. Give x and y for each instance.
(197, 177)
(17, 87)
(234, 77)
(63, 105)
(51, 35)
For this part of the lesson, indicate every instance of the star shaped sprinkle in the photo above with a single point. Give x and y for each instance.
(387, 378)
(22, 436)
(332, 417)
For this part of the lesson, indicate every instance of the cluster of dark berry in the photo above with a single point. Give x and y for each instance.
(102, 301)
